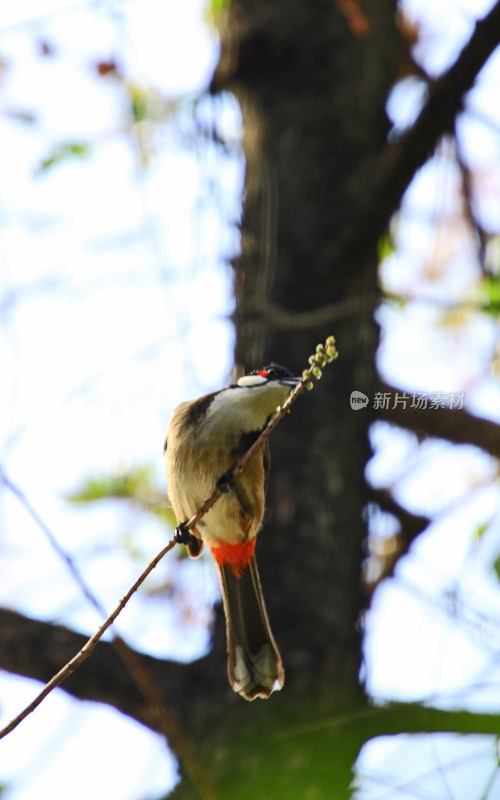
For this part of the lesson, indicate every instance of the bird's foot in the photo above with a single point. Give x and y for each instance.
(226, 484)
(184, 536)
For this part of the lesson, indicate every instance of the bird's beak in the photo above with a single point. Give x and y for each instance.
(290, 381)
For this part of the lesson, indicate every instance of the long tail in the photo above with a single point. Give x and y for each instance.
(254, 665)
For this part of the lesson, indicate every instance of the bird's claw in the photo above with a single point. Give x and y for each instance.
(225, 483)
(183, 536)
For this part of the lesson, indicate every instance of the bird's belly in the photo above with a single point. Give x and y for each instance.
(229, 521)
(225, 523)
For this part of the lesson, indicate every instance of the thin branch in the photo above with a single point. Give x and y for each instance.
(86, 650)
(165, 718)
(63, 555)
(139, 673)
(469, 212)
(324, 354)
(412, 525)
(398, 164)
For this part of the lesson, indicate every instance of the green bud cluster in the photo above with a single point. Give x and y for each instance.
(331, 352)
(324, 355)
(306, 374)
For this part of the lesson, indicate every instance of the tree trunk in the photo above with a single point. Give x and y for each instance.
(312, 92)
(312, 84)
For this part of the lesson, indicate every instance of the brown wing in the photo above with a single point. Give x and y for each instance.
(267, 464)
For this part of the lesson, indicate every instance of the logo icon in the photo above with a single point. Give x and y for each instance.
(358, 400)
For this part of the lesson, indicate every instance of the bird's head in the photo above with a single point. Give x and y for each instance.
(273, 374)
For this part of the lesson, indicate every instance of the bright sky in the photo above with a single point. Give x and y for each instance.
(119, 294)
(109, 296)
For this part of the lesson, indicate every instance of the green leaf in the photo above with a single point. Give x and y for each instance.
(146, 103)
(214, 10)
(61, 153)
(119, 484)
(219, 5)
(385, 246)
(480, 529)
(139, 103)
(496, 567)
(137, 486)
(489, 292)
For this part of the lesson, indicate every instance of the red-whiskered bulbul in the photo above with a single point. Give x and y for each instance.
(205, 439)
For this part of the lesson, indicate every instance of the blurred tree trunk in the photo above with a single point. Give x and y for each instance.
(312, 82)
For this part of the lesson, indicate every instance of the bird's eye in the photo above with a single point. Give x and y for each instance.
(271, 373)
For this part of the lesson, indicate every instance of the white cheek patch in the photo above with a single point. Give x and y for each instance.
(252, 380)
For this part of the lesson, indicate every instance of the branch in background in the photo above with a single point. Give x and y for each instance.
(398, 717)
(279, 318)
(400, 162)
(32, 648)
(456, 425)
(411, 526)
(35, 649)
(470, 215)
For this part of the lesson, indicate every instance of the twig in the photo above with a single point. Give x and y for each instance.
(469, 212)
(87, 647)
(399, 163)
(63, 555)
(324, 354)
(139, 673)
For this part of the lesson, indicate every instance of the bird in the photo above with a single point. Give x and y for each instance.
(206, 438)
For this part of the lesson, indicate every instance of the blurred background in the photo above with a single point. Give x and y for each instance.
(121, 200)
